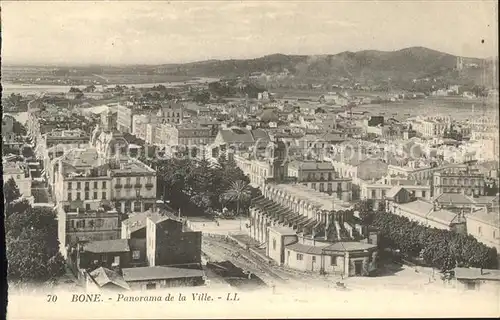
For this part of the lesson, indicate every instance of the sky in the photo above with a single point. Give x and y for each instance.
(147, 32)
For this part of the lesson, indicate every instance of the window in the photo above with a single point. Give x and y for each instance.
(333, 260)
(300, 256)
(116, 261)
(150, 179)
(136, 254)
(87, 195)
(329, 187)
(78, 197)
(69, 196)
(87, 206)
(423, 194)
(95, 185)
(104, 258)
(118, 180)
(104, 184)
(137, 193)
(95, 195)
(128, 180)
(87, 185)
(314, 259)
(374, 195)
(479, 231)
(150, 286)
(104, 195)
(321, 187)
(138, 180)
(78, 185)
(274, 244)
(313, 185)
(69, 185)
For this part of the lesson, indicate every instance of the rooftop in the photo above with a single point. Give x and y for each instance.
(138, 221)
(454, 198)
(159, 273)
(103, 276)
(487, 216)
(477, 274)
(320, 199)
(312, 165)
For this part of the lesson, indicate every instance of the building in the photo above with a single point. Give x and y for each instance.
(77, 225)
(477, 279)
(164, 256)
(321, 176)
(21, 175)
(187, 134)
(167, 244)
(356, 165)
(431, 127)
(160, 277)
(401, 202)
(379, 190)
(484, 225)
(306, 230)
(135, 225)
(172, 113)
(109, 119)
(139, 125)
(467, 181)
(124, 119)
(127, 185)
(104, 279)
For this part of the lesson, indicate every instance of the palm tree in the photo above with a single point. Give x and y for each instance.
(239, 191)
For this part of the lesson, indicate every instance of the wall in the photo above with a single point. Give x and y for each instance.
(95, 260)
(489, 234)
(166, 283)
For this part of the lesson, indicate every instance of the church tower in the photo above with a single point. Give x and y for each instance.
(276, 155)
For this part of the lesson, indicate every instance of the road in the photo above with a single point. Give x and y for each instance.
(394, 277)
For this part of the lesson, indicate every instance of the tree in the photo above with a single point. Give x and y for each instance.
(201, 97)
(10, 194)
(32, 244)
(238, 193)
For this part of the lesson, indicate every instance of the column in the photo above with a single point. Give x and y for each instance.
(122, 205)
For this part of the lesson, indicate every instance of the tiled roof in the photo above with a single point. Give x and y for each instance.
(349, 246)
(477, 274)
(103, 276)
(487, 216)
(312, 165)
(159, 273)
(393, 191)
(454, 198)
(241, 135)
(138, 221)
(117, 245)
(298, 247)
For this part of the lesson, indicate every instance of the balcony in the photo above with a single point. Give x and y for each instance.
(118, 186)
(128, 186)
(138, 186)
(149, 186)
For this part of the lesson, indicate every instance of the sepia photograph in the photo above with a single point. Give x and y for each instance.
(250, 159)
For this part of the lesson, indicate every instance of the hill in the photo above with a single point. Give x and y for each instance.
(368, 65)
